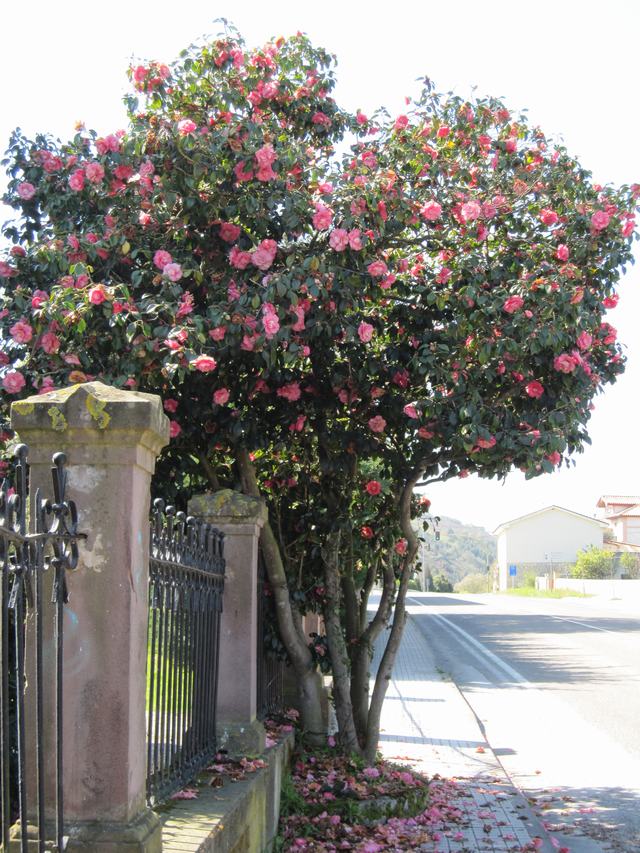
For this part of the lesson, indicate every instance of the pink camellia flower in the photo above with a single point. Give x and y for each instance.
(229, 232)
(600, 220)
(270, 324)
(221, 396)
(355, 240)
(610, 301)
(161, 258)
(377, 269)
(172, 271)
(325, 188)
(50, 342)
(554, 457)
(174, 429)
(26, 191)
(425, 433)
(94, 173)
(443, 275)
(411, 411)
(323, 217)
(371, 772)
(38, 298)
(6, 270)
(365, 332)
(513, 304)
(21, 332)
(548, 217)
(265, 157)
(170, 405)
(76, 180)
(431, 211)
(298, 326)
(204, 363)
(373, 487)
(186, 126)
(584, 340)
(367, 533)
(486, 443)
(534, 389)
(401, 546)
(562, 252)
(400, 123)
(97, 294)
(442, 131)
(298, 424)
(13, 382)
(377, 424)
(470, 211)
(241, 174)
(264, 255)
(565, 363)
(239, 260)
(290, 392)
(47, 385)
(218, 333)
(339, 239)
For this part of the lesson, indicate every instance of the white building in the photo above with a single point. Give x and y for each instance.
(541, 540)
(622, 513)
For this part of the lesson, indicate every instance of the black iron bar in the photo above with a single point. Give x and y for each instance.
(5, 701)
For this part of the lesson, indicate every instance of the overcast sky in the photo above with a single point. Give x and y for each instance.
(572, 64)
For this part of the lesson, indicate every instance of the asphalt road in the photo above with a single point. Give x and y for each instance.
(556, 686)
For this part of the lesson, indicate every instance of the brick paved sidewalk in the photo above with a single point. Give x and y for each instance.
(426, 722)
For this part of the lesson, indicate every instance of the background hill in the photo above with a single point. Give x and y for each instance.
(463, 549)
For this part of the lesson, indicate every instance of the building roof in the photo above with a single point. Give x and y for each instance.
(506, 524)
(630, 512)
(625, 500)
(627, 547)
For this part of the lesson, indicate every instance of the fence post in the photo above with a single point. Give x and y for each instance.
(111, 439)
(240, 518)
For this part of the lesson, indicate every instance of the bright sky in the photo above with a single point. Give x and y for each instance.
(572, 63)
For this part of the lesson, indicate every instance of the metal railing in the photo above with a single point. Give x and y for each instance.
(270, 668)
(33, 540)
(186, 579)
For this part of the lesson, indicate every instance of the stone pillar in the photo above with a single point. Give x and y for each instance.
(111, 439)
(240, 518)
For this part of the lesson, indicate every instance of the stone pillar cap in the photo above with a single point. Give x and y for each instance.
(228, 507)
(92, 412)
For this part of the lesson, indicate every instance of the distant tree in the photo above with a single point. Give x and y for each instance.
(441, 583)
(594, 563)
(630, 565)
(473, 583)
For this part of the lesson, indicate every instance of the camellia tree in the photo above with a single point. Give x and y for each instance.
(327, 330)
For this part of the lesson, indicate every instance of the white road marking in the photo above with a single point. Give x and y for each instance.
(509, 671)
(584, 624)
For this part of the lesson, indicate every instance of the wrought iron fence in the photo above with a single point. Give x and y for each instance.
(33, 540)
(270, 669)
(186, 579)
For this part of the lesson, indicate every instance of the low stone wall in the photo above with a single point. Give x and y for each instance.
(614, 588)
(240, 817)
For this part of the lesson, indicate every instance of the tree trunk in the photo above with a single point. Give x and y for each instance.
(399, 617)
(309, 685)
(363, 651)
(337, 646)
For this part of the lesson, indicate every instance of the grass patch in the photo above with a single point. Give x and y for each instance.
(531, 592)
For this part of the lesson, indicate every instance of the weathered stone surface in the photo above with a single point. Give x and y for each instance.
(111, 439)
(227, 506)
(240, 518)
(92, 413)
(240, 817)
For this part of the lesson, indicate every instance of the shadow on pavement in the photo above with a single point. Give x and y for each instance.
(609, 815)
(520, 641)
